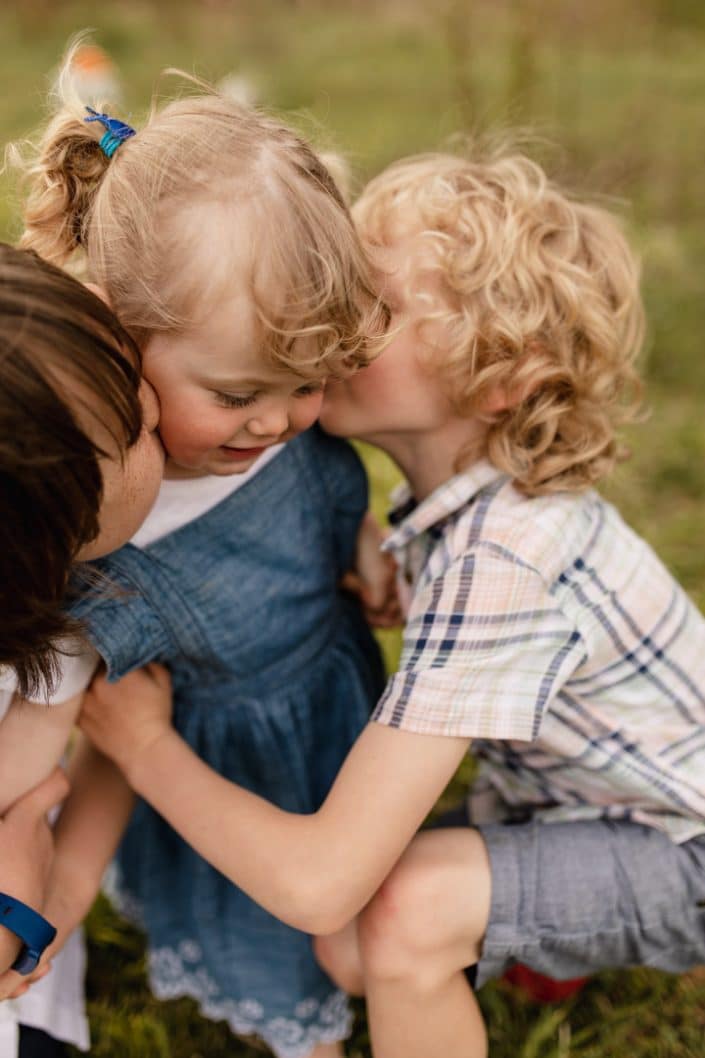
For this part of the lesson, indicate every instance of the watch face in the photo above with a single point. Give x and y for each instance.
(26, 961)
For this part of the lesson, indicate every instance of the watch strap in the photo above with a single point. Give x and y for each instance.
(32, 929)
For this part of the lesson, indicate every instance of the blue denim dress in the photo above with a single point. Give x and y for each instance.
(274, 673)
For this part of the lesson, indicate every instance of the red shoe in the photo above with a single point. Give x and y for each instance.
(540, 988)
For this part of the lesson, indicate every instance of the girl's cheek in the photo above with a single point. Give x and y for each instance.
(191, 420)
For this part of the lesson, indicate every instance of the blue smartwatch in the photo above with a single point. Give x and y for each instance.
(33, 930)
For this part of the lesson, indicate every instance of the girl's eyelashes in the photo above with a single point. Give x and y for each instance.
(232, 400)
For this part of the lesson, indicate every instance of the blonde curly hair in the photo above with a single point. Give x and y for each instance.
(540, 303)
(139, 220)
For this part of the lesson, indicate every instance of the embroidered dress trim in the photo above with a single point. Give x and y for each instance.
(175, 972)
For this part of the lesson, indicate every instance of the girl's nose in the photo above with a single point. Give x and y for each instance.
(272, 420)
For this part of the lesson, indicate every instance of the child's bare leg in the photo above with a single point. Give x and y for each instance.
(339, 955)
(327, 1050)
(424, 925)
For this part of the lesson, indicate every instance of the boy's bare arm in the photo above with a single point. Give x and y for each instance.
(314, 872)
(33, 737)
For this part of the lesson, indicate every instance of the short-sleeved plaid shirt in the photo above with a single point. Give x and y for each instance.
(549, 633)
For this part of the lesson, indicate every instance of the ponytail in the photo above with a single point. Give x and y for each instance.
(65, 176)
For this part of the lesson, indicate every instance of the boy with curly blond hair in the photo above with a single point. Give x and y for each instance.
(540, 629)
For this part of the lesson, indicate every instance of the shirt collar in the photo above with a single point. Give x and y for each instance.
(410, 519)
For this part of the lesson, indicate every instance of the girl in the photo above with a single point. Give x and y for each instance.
(225, 248)
(77, 448)
(540, 627)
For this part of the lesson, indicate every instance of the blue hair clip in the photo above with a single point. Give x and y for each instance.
(116, 132)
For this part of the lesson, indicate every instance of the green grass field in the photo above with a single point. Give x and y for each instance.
(616, 96)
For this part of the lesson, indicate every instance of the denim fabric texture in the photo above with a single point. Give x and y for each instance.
(274, 673)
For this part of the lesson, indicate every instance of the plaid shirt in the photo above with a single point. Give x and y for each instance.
(550, 628)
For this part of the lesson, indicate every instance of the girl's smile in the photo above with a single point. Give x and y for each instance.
(241, 453)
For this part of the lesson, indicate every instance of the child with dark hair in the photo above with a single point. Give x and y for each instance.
(69, 380)
(80, 466)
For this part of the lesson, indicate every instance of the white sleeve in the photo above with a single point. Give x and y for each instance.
(75, 673)
(8, 683)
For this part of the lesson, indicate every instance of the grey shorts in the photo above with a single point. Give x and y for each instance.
(569, 899)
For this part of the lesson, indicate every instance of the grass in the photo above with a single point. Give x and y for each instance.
(635, 1014)
(621, 88)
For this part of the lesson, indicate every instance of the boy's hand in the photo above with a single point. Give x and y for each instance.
(124, 719)
(374, 579)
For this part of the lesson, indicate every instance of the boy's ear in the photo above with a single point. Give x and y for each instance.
(496, 400)
(99, 293)
(504, 398)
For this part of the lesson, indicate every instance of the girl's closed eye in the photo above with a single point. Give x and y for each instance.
(235, 400)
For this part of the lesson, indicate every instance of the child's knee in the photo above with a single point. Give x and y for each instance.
(390, 927)
(423, 923)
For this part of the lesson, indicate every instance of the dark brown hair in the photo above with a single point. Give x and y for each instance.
(64, 361)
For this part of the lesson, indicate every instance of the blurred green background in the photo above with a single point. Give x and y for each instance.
(615, 96)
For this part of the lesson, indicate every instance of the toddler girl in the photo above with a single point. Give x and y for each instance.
(225, 248)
